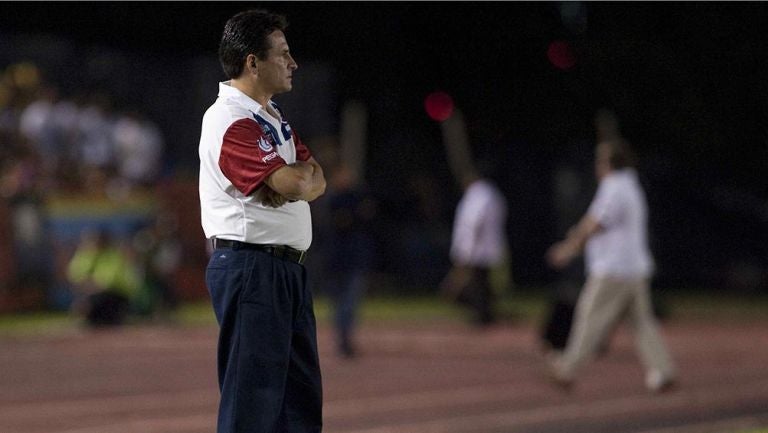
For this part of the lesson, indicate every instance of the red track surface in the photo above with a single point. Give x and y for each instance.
(435, 378)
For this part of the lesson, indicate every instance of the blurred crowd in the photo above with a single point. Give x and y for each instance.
(55, 145)
(73, 143)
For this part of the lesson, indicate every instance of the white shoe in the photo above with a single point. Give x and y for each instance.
(556, 374)
(658, 382)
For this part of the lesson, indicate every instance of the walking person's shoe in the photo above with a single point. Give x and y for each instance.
(658, 382)
(555, 373)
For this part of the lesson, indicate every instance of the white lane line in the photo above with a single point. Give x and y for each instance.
(563, 412)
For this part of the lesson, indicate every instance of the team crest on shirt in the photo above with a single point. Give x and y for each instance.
(264, 145)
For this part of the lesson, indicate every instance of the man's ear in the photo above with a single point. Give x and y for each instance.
(250, 63)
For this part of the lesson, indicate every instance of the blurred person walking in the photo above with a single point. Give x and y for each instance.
(477, 246)
(256, 181)
(350, 258)
(614, 235)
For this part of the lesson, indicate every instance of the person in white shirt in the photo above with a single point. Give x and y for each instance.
(478, 245)
(256, 181)
(138, 147)
(614, 235)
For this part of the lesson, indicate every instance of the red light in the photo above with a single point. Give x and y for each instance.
(561, 55)
(439, 106)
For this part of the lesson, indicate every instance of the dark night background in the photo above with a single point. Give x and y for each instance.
(687, 80)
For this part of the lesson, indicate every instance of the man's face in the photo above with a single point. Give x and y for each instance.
(276, 71)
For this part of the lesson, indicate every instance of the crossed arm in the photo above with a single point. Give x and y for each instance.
(302, 180)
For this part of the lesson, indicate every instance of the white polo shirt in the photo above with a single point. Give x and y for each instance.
(241, 144)
(479, 229)
(621, 248)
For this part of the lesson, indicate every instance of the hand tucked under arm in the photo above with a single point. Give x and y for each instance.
(270, 197)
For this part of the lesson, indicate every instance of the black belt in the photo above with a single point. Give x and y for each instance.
(280, 251)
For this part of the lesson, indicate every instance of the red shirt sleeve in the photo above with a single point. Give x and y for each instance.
(248, 155)
(302, 151)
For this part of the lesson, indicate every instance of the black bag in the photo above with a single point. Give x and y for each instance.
(558, 324)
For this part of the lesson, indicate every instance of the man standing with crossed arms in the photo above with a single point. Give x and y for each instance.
(256, 181)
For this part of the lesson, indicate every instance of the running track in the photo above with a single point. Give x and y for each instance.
(414, 378)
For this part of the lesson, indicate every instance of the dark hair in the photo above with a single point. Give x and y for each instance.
(246, 33)
(621, 154)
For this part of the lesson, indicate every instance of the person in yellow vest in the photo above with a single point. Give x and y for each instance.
(105, 280)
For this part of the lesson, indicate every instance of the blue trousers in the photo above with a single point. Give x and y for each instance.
(269, 372)
(346, 289)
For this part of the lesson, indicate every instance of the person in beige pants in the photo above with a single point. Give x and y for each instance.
(614, 236)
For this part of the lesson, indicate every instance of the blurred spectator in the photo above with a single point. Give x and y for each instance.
(478, 246)
(20, 186)
(138, 148)
(94, 145)
(159, 254)
(35, 121)
(105, 280)
(350, 256)
(48, 123)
